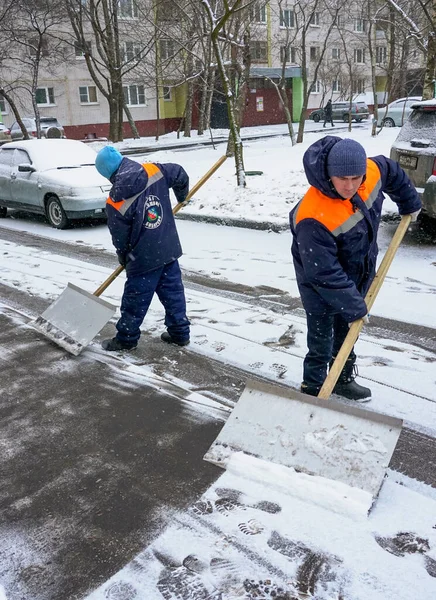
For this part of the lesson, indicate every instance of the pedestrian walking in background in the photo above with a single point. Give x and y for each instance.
(328, 113)
(143, 230)
(334, 249)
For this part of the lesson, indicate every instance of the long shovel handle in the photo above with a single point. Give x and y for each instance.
(176, 209)
(199, 183)
(356, 326)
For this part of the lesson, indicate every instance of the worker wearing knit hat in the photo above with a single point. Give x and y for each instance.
(334, 249)
(347, 158)
(108, 161)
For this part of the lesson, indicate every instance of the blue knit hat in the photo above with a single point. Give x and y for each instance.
(347, 158)
(108, 161)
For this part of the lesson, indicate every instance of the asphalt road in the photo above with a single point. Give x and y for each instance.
(96, 456)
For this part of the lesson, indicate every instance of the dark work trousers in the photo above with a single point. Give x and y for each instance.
(325, 335)
(328, 120)
(138, 293)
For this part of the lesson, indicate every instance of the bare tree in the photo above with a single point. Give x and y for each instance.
(33, 46)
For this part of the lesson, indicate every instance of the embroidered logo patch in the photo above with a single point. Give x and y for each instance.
(153, 213)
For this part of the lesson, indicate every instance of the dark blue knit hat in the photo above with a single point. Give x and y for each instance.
(108, 161)
(347, 158)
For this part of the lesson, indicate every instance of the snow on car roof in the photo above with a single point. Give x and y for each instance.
(52, 153)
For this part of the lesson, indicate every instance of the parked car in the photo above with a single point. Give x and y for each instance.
(397, 111)
(5, 134)
(55, 178)
(50, 128)
(415, 151)
(341, 111)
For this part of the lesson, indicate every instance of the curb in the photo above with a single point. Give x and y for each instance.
(229, 222)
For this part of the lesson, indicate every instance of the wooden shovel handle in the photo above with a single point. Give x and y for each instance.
(199, 183)
(356, 326)
(176, 209)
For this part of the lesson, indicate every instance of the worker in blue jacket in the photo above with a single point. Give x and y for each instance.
(143, 230)
(334, 249)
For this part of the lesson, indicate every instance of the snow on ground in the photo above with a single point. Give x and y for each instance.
(249, 537)
(244, 527)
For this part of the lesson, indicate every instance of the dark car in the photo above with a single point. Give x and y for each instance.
(50, 128)
(415, 151)
(341, 112)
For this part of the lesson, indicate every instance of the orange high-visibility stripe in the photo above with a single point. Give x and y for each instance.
(333, 212)
(116, 205)
(150, 168)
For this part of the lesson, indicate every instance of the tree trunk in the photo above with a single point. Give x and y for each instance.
(16, 112)
(132, 123)
(430, 67)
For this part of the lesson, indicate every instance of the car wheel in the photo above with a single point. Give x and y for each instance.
(358, 120)
(3, 211)
(388, 122)
(316, 118)
(56, 214)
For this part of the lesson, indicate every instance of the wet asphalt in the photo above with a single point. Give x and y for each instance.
(95, 458)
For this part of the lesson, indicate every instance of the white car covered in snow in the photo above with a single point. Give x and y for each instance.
(53, 177)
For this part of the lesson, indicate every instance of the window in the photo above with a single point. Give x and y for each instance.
(6, 156)
(316, 88)
(80, 49)
(134, 95)
(359, 86)
(336, 53)
(289, 54)
(287, 18)
(167, 11)
(314, 19)
(359, 56)
(45, 96)
(259, 52)
(167, 48)
(339, 21)
(360, 25)
(381, 55)
(131, 51)
(336, 85)
(314, 52)
(258, 12)
(34, 43)
(166, 93)
(3, 107)
(88, 94)
(128, 9)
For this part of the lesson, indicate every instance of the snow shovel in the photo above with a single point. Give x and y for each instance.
(330, 439)
(75, 318)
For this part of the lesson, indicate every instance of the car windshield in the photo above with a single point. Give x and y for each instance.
(421, 124)
(55, 154)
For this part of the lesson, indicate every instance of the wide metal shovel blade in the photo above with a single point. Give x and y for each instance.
(329, 439)
(74, 319)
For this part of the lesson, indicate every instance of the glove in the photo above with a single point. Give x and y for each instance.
(122, 259)
(414, 215)
(365, 320)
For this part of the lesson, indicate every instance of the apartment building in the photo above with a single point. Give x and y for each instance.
(335, 46)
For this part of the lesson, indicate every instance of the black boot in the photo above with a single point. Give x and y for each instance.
(310, 390)
(346, 385)
(115, 345)
(165, 337)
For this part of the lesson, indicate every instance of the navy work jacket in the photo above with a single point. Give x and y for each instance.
(139, 214)
(334, 246)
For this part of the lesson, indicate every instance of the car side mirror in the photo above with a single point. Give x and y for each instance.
(26, 168)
